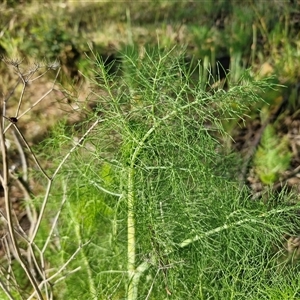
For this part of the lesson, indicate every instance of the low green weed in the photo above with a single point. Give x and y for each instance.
(272, 156)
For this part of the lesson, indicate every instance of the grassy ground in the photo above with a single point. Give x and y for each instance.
(215, 37)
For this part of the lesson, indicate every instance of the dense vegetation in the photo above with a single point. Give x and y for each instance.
(151, 150)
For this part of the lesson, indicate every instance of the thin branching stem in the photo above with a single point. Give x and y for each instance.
(79, 143)
(8, 209)
(257, 219)
(42, 210)
(31, 152)
(22, 157)
(133, 275)
(55, 219)
(21, 95)
(50, 180)
(66, 275)
(36, 102)
(63, 267)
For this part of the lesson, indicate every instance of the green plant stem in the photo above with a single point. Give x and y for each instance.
(187, 242)
(134, 274)
(133, 282)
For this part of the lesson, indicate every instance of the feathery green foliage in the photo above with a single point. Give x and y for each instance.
(150, 188)
(154, 192)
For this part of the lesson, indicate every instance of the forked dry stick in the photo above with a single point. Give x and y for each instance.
(41, 213)
(34, 262)
(8, 209)
(29, 262)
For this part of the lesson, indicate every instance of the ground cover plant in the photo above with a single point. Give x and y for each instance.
(142, 196)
